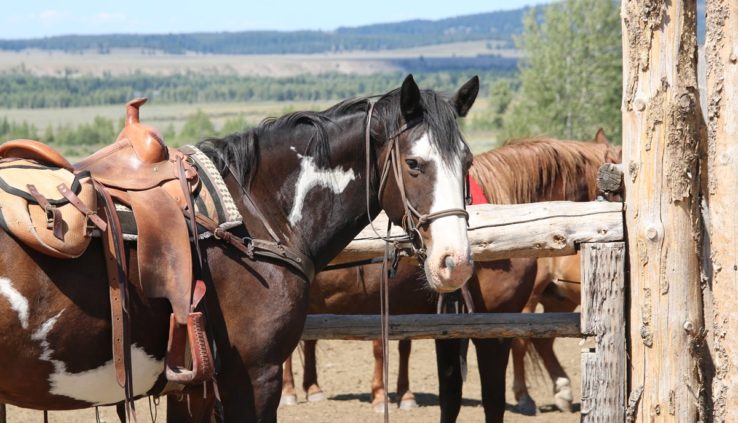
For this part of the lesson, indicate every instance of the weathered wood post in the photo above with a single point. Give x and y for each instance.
(603, 312)
(721, 217)
(661, 136)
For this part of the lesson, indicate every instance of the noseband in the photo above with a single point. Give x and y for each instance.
(412, 219)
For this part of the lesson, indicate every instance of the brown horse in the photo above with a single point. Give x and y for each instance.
(316, 175)
(521, 171)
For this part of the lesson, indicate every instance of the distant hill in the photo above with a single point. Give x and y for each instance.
(499, 26)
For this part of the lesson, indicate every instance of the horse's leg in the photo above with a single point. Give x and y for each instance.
(526, 405)
(561, 384)
(120, 410)
(544, 275)
(310, 377)
(289, 396)
(492, 357)
(378, 388)
(448, 360)
(404, 394)
(3, 415)
(198, 406)
(563, 397)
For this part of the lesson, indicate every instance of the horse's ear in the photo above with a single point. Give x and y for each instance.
(464, 98)
(601, 138)
(409, 98)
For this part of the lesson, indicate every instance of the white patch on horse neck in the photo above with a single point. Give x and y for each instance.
(310, 177)
(98, 386)
(17, 301)
(449, 232)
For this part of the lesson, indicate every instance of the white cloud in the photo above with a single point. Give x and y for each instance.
(107, 17)
(49, 15)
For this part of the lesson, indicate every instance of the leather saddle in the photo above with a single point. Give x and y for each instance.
(139, 171)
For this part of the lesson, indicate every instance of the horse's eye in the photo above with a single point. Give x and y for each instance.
(412, 164)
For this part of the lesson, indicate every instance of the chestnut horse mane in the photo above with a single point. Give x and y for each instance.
(541, 169)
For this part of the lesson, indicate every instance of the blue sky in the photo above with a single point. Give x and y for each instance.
(40, 18)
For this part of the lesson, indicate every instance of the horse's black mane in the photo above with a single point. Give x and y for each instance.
(240, 151)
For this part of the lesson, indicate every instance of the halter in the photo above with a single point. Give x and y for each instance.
(412, 219)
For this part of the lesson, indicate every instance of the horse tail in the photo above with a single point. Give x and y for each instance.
(533, 364)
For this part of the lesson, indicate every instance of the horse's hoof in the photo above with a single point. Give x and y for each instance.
(290, 399)
(563, 397)
(563, 404)
(408, 404)
(526, 406)
(378, 407)
(316, 396)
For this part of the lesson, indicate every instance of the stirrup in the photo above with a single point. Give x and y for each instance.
(202, 359)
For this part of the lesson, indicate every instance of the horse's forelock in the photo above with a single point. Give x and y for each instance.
(439, 119)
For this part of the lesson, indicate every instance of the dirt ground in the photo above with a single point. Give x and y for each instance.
(345, 371)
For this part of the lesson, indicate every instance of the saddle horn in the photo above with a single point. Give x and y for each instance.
(132, 110)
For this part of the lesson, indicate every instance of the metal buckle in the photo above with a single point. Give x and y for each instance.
(49, 209)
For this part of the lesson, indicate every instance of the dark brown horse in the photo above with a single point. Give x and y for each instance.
(308, 172)
(519, 172)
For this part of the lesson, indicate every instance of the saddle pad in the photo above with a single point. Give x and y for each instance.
(212, 199)
(22, 216)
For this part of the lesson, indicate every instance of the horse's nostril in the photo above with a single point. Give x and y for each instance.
(449, 263)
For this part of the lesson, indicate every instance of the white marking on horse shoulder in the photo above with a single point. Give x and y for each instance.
(97, 386)
(17, 301)
(311, 176)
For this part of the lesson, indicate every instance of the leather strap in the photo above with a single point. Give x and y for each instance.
(76, 202)
(115, 264)
(253, 208)
(53, 215)
(253, 248)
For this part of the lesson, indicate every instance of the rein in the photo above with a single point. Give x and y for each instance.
(412, 219)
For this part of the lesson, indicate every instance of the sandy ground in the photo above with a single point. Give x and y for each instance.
(345, 371)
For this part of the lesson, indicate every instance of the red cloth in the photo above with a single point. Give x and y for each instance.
(477, 195)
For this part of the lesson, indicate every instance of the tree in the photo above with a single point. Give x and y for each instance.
(571, 72)
(197, 127)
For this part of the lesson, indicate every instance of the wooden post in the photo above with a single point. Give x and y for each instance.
(662, 127)
(721, 217)
(603, 318)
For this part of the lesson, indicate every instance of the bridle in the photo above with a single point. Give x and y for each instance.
(412, 219)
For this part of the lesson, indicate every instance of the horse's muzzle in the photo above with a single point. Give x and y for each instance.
(449, 271)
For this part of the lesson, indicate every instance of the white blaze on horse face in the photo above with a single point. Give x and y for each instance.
(98, 386)
(310, 177)
(449, 262)
(17, 301)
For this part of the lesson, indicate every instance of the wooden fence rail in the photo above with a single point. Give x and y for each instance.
(517, 230)
(443, 326)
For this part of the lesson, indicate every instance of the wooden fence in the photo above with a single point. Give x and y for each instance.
(528, 230)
